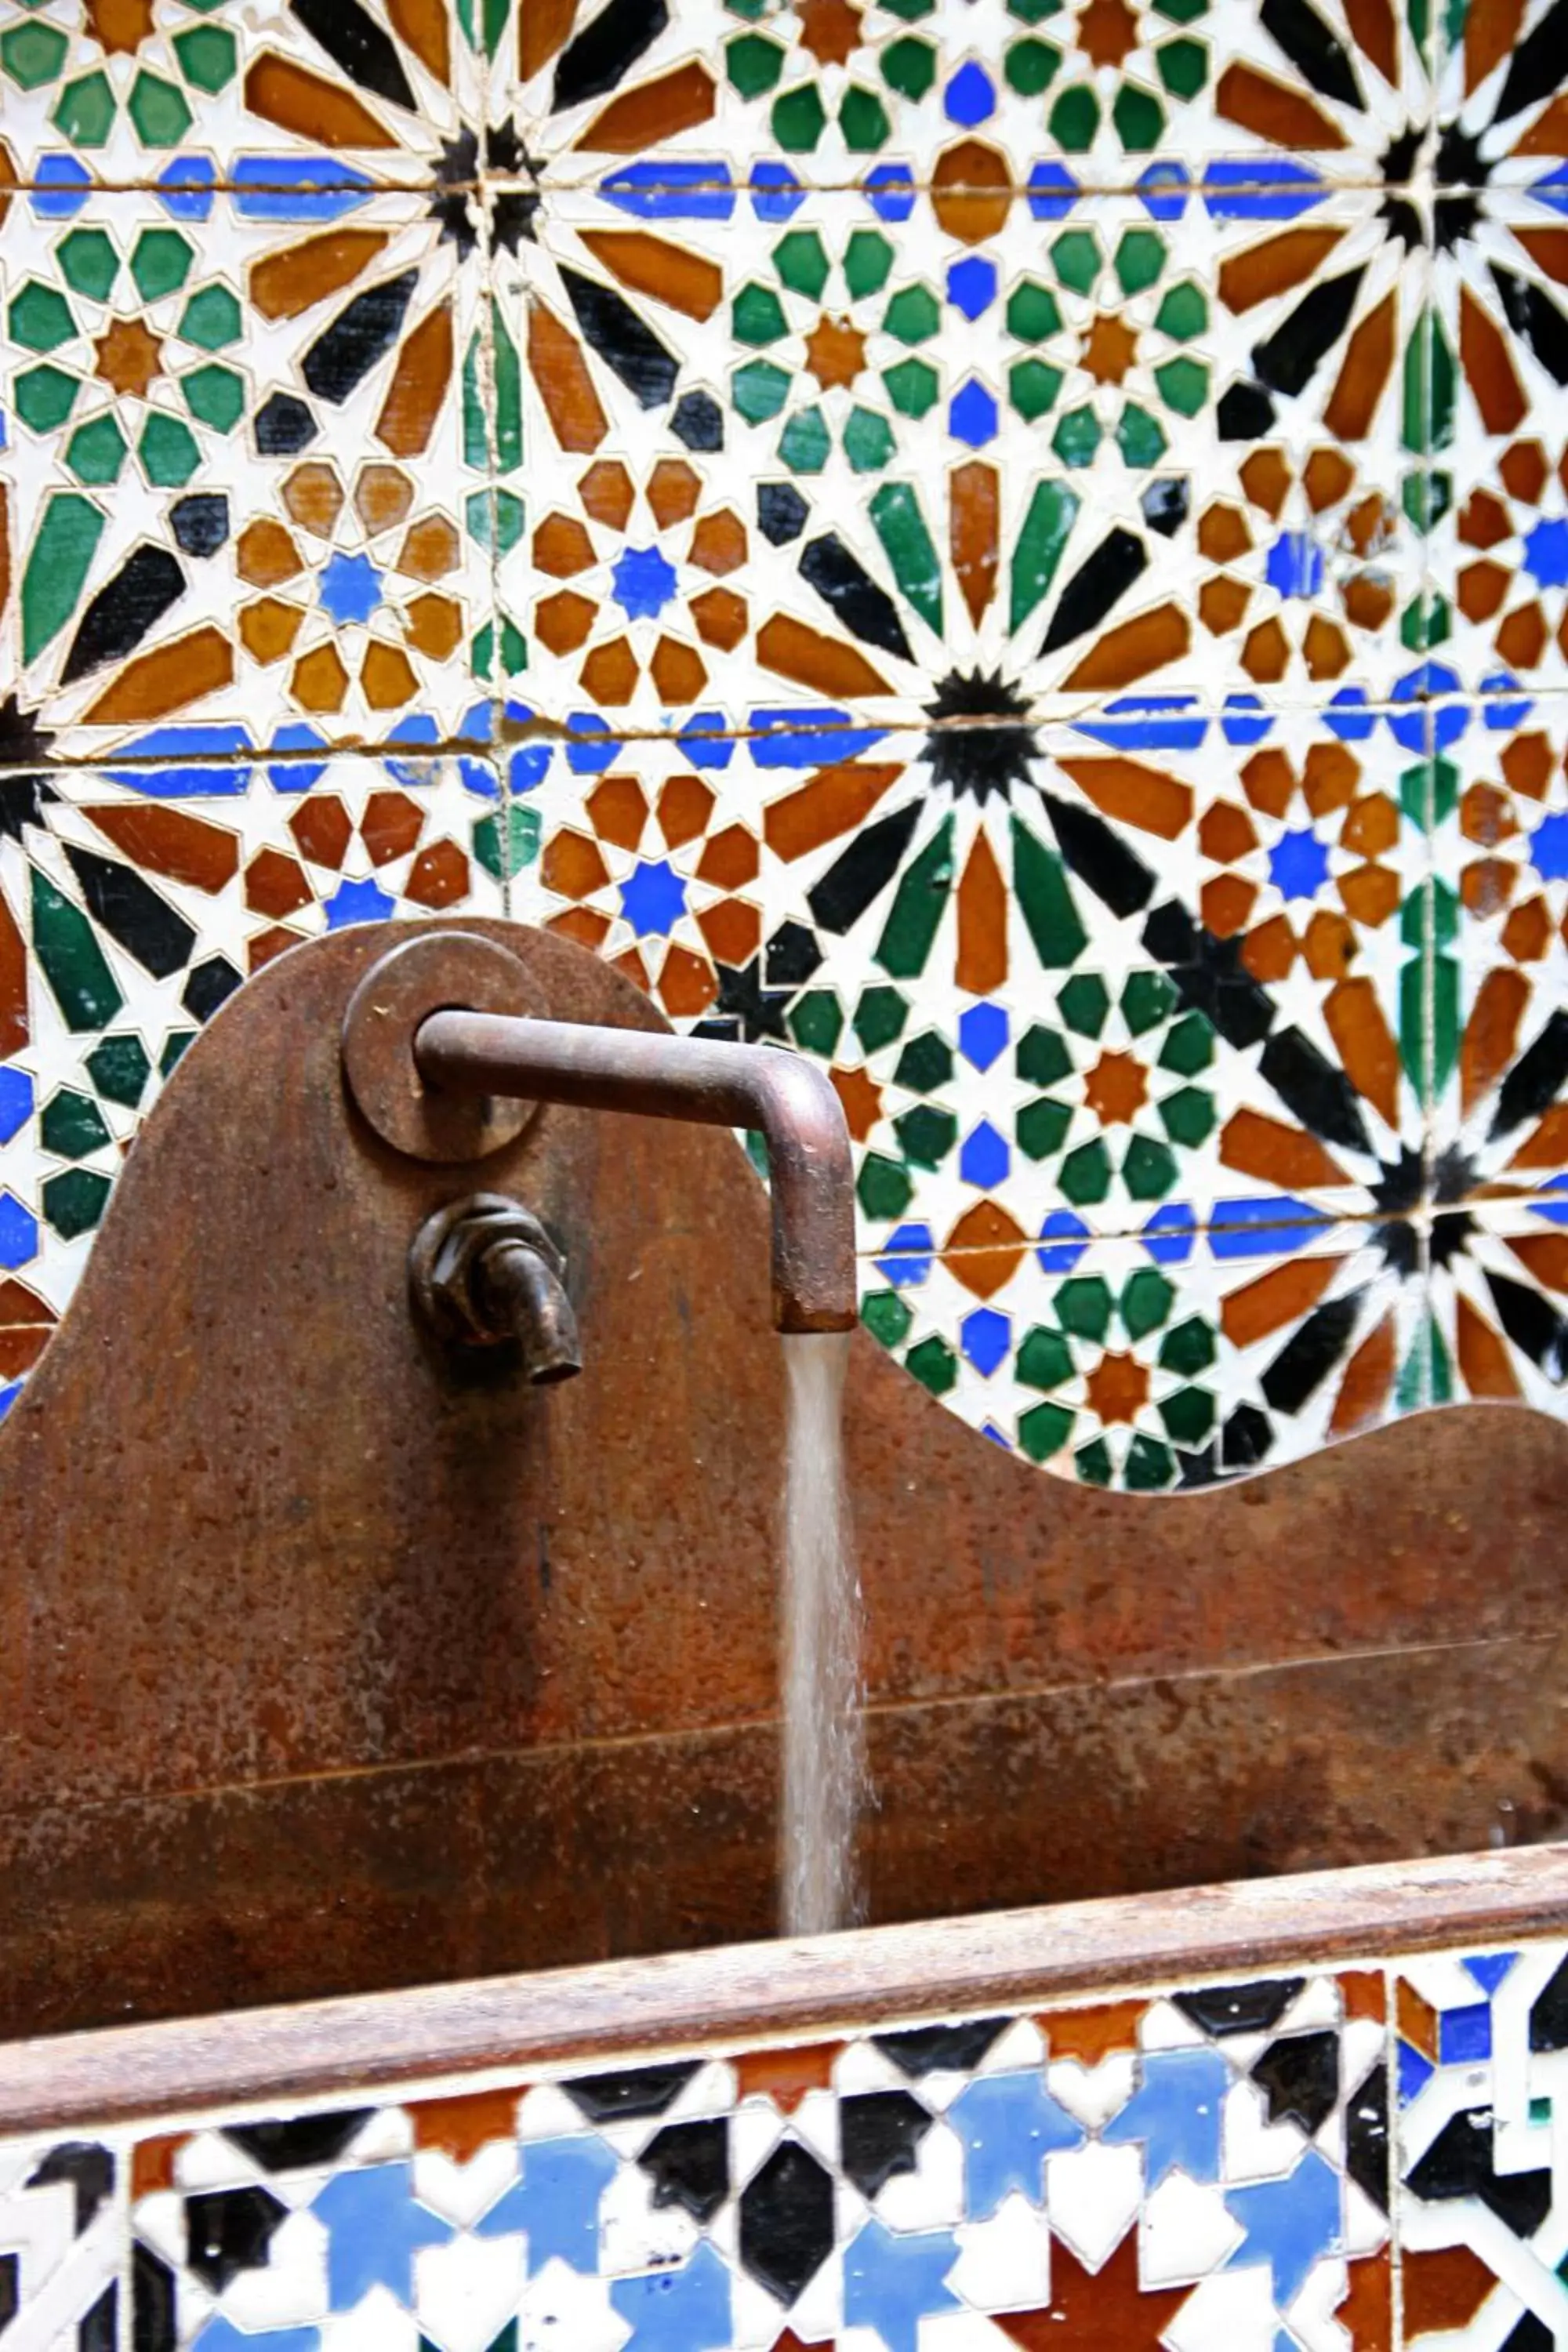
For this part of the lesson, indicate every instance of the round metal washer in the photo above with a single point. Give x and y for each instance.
(439, 971)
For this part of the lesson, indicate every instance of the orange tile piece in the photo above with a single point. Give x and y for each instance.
(677, 671)
(645, 264)
(170, 678)
(322, 828)
(1368, 1377)
(435, 625)
(275, 884)
(1281, 1297)
(1442, 2291)
(617, 809)
(264, 554)
(980, 965)
(387, 677)
(563, 621)
(685, 804)
(1107, 2310)
(430, 549)
(986, 1249)
(171, 842)
(972, 191)
(286, 283)
(605, 490)
(651, 113)
(1280, 1155)
(730, 860)
(719, 543)
(785, 2076)
(610, 673)
(720, 616)
(390, 825)
(861, 1098)
(673, 490)
(1090, 2034)
(420, 384)
(1485, 1363)
(314, 497)
(439, 876)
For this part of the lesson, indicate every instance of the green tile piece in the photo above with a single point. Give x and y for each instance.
(73, 963)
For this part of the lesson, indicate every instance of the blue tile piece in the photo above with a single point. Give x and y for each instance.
(1489, 1969)
(221, 2334)
(653, 897)
(555, 2202)
(982, 1034)
(685, 2310)
(1413, 2072)
(18, 1232)
(1465, 2034)
(1175, 2111)
(1290, 2224)
(376, 2226)
(987, 1335)
(358, 902)
(15, 1100)
(1009, 2125)
(893, 2280)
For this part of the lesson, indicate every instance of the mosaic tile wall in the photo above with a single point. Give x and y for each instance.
(1019, 547)
(1324, 2162)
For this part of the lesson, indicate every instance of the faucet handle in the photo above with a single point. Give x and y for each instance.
(484, 1271)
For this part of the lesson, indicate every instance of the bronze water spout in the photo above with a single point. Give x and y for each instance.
(445, 1055)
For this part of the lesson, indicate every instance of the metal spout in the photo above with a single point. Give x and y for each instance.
(791, 1101)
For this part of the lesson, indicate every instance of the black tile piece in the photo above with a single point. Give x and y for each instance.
(786, 2220)
(689, 2165)
(230, 2230)
(1548, 2012)
(1317, 54)
(98, 2330)
(200, 521)
(1096, 587)
(1096, 853)
(1535, 70)
(1310, 1353)
(637, 2091)
(791, 956)
(1534, 317)
(303, 2140)
(1301, 2073)
(1164, 504)
(354, 40)
(745, 1008)
(1459, 2163)
(1209, 974)
(1240, 2007)
(842, 896)
(1245, 412)
(1532, 1323)
(151, 2302)
(921, 2050)
(993, 758)
(118, 618)
(10, 2288)
(879, 2134)
(364, 331)
(212, 983)
(1246, 1438)
(606, 48)
(1529, 2335)
(133, 912)
(90, 2171)
(842, 581)
(1536, 1079)
(781, 513)
(23, 800)
(1318, 1093)
(22, 739)
(630, 349)
(1288, 359)
(1368, 2150)
(697, 421)
(283, 425)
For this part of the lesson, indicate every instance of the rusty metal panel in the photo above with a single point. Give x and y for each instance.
(483, 1675)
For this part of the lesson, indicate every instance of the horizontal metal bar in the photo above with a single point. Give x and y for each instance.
(783, 1991)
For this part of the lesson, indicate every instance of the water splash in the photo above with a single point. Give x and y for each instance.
(823, 1755)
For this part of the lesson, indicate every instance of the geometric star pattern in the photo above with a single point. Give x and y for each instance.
(1021, 552)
